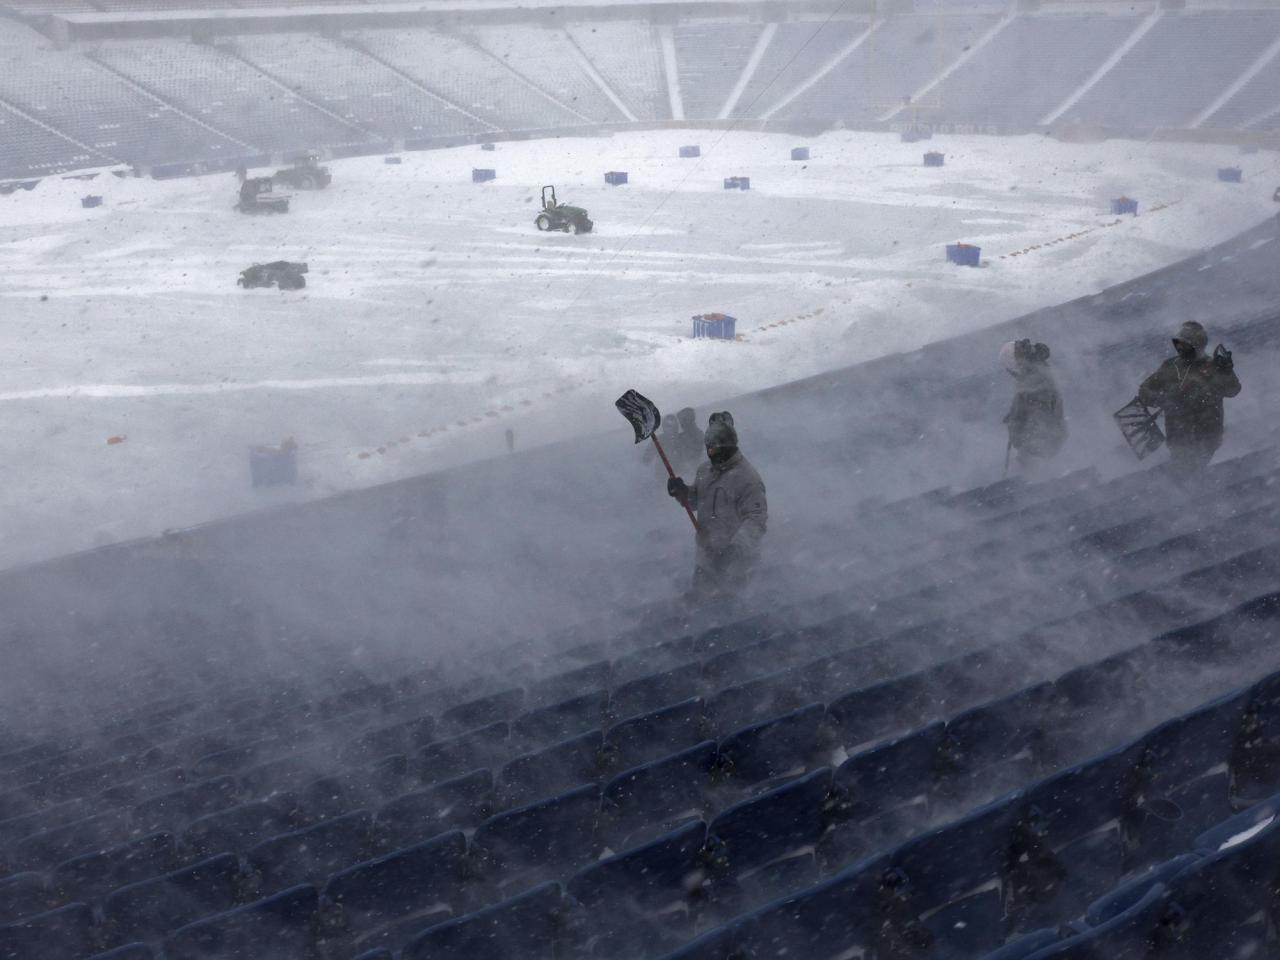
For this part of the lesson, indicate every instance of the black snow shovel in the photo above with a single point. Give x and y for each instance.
(645, 419)
(1138, 424)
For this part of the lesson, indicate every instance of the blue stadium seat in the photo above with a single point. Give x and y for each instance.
(996, 747)
(742, 704)
(1099, 693)
(130, 951)
(362, 697)
(775, 747)
(176, 809)
(558, 833)
(402, 882)
(270, 777)
(279, 926)
(641, 879)
(1245, 825)
(239, 828)
(23, 894)
(313, 853)
(651, 794)
(649, 693)
(1223, 905)
(894, 774)
(637, 740)
(650, 937)
(941, 883)
(658, 656)
(562, 720)
(491, 709)
(1067, 847)
(1126, 895)
(1257, 763)
(87, 876)
(66, 933)
(140, 911)
(780, 878)
(475, 750)
(549, 771)
(229, 761)
(407, 736)
(776, 822)
(134, 791)
(839, 916)
(1184, 783)
(337, 795)
(1125, 937)
(419, 816)
(526, 926)
(48, 847)
(592, 678)
(1024, 945)
(872, 713)
(721, 943)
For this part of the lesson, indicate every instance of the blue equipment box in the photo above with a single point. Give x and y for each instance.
(92, 200)
(935, 159)
(483, 176)
(714, 326)
(615, 178)
(694, 151)
(271, 466)
(1230, 174)
(1123, 205)
(737, 183)
(964, 254)
(799, 153)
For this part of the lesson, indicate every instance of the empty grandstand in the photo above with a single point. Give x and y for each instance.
(958, 715)
(228, 86)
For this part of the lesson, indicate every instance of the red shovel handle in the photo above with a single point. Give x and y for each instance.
(667, 463)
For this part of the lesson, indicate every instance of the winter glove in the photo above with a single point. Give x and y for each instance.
(1222, 358)
(676, 487)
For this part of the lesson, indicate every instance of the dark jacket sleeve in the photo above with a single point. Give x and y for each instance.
(1157, 386)
(1226, 382)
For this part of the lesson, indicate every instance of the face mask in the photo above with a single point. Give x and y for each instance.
(718, 455)
(1185, 350)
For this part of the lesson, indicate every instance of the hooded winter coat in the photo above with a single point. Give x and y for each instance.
(1191, 393)
(1037, 423)
(729, 499)
(687, 447)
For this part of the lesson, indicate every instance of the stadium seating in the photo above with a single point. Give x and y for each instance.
(1157, 89)
(626, 55)
(1093, 841)
(711, 56)
(353, 86)
(224, 91)
(188, 106)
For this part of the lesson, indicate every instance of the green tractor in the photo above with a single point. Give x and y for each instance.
(561, 216)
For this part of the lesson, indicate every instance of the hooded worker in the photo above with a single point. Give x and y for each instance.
(728, 497)
(1036, 421)
(688, 447)
(1190, 387)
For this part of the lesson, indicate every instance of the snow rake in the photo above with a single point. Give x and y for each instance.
(1138, 424)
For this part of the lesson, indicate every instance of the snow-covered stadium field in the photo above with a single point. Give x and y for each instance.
(436, 316)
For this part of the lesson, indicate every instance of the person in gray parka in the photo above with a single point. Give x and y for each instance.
(1036, 422)
(728, 497)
